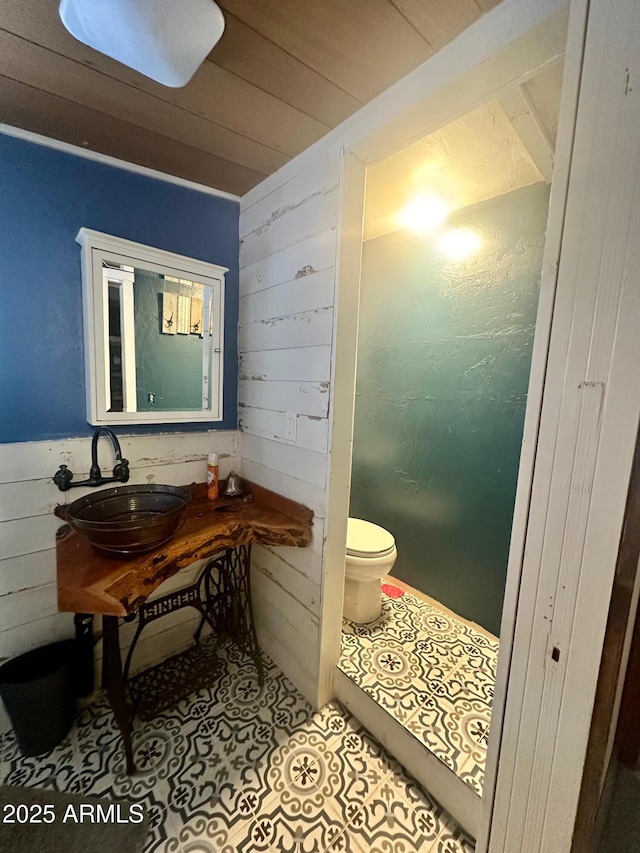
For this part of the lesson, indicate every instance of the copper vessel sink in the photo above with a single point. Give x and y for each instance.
(128, 520)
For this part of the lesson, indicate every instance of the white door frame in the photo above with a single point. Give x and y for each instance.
(588, 428)
(583, 427)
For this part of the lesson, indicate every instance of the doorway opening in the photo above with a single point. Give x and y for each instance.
(454, 234)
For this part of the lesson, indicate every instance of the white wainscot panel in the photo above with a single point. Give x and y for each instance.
(302, 364)
(28, 535)
(28, 499)
(312, 432)
(23, 638)
(34, 460)
(157, 450)
(296, 461)
(309, 329)
(311, 255)
(28, 605)
(289, 663)
(293, 628)
(27, 570)
(292, 615)
(311, 496)
(39, 460)
(292, 297)
(284, 194)
(289, 225)
(307, 561)
(287, 578)
(305, 398)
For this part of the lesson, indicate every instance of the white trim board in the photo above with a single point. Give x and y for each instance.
(106, 160)
(588, 428)
(506, 676)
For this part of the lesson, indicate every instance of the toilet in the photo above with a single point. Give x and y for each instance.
(371, 553)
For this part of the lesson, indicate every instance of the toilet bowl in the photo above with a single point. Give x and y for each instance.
(371, 553)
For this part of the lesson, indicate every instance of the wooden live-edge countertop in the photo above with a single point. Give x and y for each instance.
(92, 582)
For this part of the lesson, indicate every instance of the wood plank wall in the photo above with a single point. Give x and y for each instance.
(28, 600)
(287, 272)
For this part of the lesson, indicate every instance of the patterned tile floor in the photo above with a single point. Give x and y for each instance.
(432, 672)
(239, 769)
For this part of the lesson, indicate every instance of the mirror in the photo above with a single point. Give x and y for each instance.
(154, 326)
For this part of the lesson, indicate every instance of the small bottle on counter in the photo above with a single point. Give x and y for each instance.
(212, 476)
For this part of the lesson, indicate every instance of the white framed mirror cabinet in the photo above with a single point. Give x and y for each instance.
(153, 333)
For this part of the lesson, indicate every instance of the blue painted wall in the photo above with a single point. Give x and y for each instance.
(46, 196)
(444, 354)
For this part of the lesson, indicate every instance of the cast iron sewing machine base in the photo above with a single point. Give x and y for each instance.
(222, 596)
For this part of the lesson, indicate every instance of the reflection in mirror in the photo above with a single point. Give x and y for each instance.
(117, 282)
(157, 343)
(154, 330)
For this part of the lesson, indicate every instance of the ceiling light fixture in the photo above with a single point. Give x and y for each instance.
(162, 39)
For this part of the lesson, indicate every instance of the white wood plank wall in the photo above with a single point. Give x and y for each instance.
(287, 278)
(29, 615)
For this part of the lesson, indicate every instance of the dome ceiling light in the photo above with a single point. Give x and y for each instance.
(162, 39)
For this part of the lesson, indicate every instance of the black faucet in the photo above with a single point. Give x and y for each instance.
(63, 475)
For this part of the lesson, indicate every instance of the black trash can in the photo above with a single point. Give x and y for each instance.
(38, 691)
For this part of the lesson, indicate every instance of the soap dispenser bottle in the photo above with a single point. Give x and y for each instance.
(212, 476)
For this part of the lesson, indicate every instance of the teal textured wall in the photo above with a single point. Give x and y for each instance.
(444, 355)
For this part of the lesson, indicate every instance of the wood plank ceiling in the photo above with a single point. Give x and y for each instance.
(284, 73)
